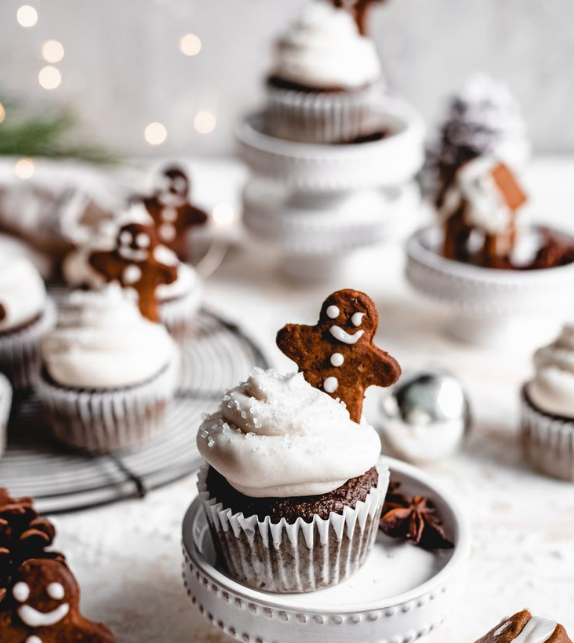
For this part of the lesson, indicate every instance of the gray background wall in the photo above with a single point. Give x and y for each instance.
(123, 68)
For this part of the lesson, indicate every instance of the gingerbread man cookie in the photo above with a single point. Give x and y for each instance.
(337, 355)
(140, 262)
(172, 212)
(43, 606)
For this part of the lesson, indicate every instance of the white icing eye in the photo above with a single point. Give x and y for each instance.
(333, 312)
(143, 240)
(21, 592)
(357, 319)
(55, 591)
(125, 238)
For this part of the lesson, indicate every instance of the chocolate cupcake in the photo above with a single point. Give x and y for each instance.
(26, 315)
(5, 406)
(292, 489)
(325, 79)
(108, 374)
(523, 627)
(548, 409)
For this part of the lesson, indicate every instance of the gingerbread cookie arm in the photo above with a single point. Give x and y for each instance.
(193, 216)
(297, 341)
(383, 370)
(107, 265)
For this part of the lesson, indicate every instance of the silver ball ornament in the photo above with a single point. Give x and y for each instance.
(425, 416)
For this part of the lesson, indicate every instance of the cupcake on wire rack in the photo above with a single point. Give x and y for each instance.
(548, 409)
(292, 488)
(108, 373)
(326, 77)
(26, 315)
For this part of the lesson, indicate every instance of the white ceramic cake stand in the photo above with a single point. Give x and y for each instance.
(400, 595)
(317, 204)
(491, 307)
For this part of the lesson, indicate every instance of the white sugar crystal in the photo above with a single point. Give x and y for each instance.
(210, 442)
(249, 435)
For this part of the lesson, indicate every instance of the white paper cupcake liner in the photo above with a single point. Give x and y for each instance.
(178, 315)
(5, 406)
(322, 117)
(20, 349)
(547, 441)
(103, 421)
(298, 557)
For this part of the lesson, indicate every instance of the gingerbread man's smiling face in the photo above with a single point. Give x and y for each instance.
(44, 593)
(135, 241)
(348, 318)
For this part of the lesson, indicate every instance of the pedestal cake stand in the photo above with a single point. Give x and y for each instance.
(400, 595)
(491, 307)
(318, 203)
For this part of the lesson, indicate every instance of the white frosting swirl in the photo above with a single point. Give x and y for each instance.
(552, 389)
(22, 292)
(277, 436)
(103, 342)
(324, 49)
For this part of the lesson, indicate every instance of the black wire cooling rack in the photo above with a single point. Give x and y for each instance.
(61, 480)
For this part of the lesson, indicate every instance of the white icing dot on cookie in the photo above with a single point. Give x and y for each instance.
(21, 592)
(331, 384)
(357, 319)
(169, 214)
(333, 312)
(167, 232)
(143, 240)
(55, 591)
(126, 238)
(33, 639)
(337, 359)
(132, 274)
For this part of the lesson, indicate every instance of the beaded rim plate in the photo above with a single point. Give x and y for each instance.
(400, 595)
(62, 480)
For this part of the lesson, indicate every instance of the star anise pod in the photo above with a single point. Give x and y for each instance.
(23, 535)
(413, 519)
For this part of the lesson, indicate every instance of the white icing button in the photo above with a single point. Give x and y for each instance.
(357, 319)
(55, 591)
(33, 639)
(21, 592)
(333, 312)
(132, 274)
(167, 232)
(337, 359)
(169, 214)
(143, 240)
(331, 384)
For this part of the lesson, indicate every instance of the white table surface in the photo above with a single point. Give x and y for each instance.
(127, 556)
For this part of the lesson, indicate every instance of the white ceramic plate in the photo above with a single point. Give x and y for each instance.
(400, 595)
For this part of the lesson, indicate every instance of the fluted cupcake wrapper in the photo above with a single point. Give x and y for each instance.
(107, 420)
(5, 406)
(178, 315)
(547, 441)
(322, 117)
(299, 557)
(20, 349)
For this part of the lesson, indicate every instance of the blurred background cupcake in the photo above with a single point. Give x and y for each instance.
(26, 314)
(325, 79)
(293, 492)
(548, 409)
(108, 373)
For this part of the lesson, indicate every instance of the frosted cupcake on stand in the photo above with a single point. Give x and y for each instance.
(108, 373)
(548, 409)
(26, 315)
(325, 79)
